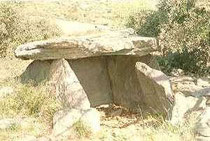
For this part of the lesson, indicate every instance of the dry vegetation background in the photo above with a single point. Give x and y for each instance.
(183, 28)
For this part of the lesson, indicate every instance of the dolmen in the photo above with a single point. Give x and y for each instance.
(101, 66)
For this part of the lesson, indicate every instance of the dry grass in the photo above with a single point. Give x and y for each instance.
(27, 127)
(34, 104)
(26, 22)
(27, 100)
(32, 107)
(129, 127)
(10, 68)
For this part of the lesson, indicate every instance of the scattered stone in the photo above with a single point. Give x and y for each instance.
(201, 138)
(67, 86)
(156, 89)
(103, 106)
(6, 91)
(182, 79)
(185, 84)
(185, 105)
(203, 125)
(8, 123)
(91, 119)
(204, 82)
(202, 92)
(63, 121)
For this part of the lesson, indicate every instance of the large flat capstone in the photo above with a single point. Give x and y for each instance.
(111, 43)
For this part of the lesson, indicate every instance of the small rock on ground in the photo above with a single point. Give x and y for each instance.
(7, 123)
(185, 105)
(64, 120)
(203, 125)
(5, 91)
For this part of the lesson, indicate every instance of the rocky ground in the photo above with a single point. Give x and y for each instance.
(117, 123)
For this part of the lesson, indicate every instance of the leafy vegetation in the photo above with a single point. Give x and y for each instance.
(183, 31)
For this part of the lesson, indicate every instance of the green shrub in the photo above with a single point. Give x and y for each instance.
(183, 31)
(147, 23)
(187, 32)
(187, 27)
(190, 61)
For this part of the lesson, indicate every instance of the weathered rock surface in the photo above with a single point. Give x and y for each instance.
(190, 86)
(94, 78)
(203, 125)
(37, 71)
(8, 123)
(64, 122)
(6, 91)
(113, 43)
(156, 93)
(125, 86)
(201, 138)
(185, 105)
(91, 119)
(67, 86)
(204, 82)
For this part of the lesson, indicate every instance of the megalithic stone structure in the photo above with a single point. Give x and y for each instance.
(99, 68)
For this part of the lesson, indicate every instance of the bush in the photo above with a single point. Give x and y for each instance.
(187, 27)
(183, 31)
(187, 32)
(191, 61)
(147, 23)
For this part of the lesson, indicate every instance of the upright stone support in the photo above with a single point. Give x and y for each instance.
(156, 89)
(67, 86)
